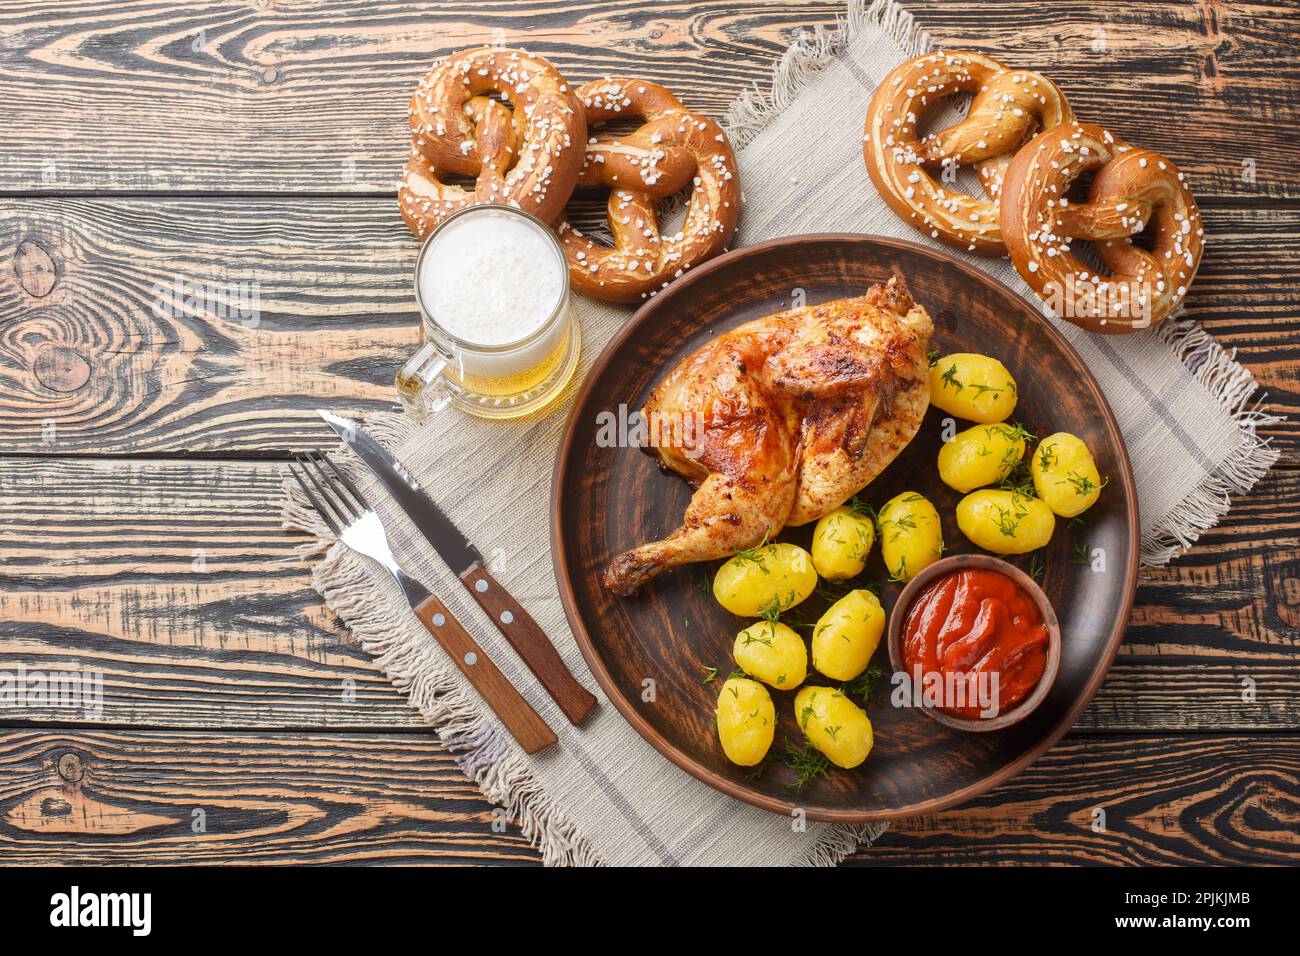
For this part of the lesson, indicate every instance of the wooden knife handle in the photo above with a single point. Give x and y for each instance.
(530, 643)
(516, 713)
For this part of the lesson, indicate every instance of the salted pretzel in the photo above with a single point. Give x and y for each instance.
(1132, 189)
(528, 157)
(1008, 107)
(672, 149)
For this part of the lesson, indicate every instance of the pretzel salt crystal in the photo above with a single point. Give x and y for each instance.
(672, 149)
(1132, 190)
(1008, 106)
(529, 158)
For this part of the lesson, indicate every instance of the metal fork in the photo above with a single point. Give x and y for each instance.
(338, 500)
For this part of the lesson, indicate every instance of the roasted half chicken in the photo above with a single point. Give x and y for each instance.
(782, 420)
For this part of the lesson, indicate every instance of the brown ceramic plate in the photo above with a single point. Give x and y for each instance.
(606, 499)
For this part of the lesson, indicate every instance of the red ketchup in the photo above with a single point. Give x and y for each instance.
(971, 628)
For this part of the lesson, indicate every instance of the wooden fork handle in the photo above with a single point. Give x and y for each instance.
(516, 713)
(530, 643)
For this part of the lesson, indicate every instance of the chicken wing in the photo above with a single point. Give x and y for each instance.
(782, 420)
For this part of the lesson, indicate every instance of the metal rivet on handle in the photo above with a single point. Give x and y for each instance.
(480, 586)
(439, 620)
(506, 617)
(471, 658)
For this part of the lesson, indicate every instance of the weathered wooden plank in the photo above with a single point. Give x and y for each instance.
(99, 354)
(177, 582)
(1179, 801)
(138, 798)
(174, 578)
(312, 96)
(1185, 79)
(121, 797)
(107, 344)
(1244, 295)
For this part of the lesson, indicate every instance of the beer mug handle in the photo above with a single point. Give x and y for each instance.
(421, 385)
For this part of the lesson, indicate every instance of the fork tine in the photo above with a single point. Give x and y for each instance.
(346, 482)
(326, 490)
(315, 502)
(332, 488)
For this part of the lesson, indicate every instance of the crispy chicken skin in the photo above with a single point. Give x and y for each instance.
(793, 414)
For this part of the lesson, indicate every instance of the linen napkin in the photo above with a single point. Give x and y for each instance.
(603, 795)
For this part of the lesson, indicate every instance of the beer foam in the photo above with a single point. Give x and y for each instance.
(491, 278)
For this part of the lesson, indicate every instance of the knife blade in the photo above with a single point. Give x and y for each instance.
(452, 546)
(517, 625)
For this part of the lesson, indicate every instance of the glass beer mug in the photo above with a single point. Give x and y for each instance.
(500, 332)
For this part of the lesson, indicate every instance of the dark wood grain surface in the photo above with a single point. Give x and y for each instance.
(144, 796)
(141, 460)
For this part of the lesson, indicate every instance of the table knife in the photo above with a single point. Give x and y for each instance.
(344, 508)
(517, 625)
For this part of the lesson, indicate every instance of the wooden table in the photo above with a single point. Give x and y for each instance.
(141, 456)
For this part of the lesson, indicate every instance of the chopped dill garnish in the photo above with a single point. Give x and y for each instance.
(864, 685)
(1017, 476)
(831, 591)
(808, 764)
(804, 716)
(753, 554)
(771, 611)
(1034, 567)
(1009, 519)
(1083, 484)
(1018, 479)
(860, 507)
(1013, 431)
(905, 523)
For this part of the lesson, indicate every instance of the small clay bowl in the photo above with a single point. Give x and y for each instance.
(956, 563)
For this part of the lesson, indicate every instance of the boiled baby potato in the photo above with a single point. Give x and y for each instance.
(910, 535)
(772, 653)
(980, 456)
(770, 577)
(833, 724)
(746, 721)
(971, 386)
(1065, 476)
(847, 635)
(1005, 522)
(841, 542)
